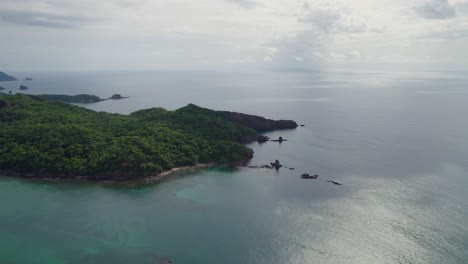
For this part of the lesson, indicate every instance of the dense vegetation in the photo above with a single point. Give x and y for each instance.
(52, 139)
(80, 98)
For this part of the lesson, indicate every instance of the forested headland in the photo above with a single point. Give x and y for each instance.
(39, 138)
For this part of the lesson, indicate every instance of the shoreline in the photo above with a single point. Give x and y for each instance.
(157, 178)
(151, 179)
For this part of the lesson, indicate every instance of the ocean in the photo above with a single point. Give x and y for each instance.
(397, 141)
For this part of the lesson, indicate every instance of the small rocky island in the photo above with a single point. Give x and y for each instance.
(5, 77)
(23, 88)
(47, 139)
(117, 97)
(28, 79)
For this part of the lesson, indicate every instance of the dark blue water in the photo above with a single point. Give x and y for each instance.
(397, 141)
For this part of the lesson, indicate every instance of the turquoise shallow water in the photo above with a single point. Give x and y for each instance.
(396, 141)
(222, 215)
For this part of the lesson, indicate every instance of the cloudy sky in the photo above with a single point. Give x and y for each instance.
(80, 35)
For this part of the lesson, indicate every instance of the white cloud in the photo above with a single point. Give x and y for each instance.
(335, 18)
(246, 3)
(231, 34)
(436, 9)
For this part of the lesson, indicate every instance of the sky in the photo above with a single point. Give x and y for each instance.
(100, 35)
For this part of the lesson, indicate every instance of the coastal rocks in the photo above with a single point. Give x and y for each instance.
(28, 79)
(280, 140)
(302, 125)
(334, 182)
(273, 165)
(2, 88)
(276, 164)
(262, 139)
(23, 87)
(307, 176)
(259, 123)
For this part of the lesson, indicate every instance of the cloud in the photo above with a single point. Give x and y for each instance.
(270, 52)
(332, 18)
(461, 6)
(448, 33)
(246, 3)
(234, 34)
(312, 47)
(41, 19)
(297, 52)
(324, 19)
(436, 9)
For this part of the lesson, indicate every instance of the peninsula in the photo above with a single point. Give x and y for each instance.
(78, 99)
(5, 77)
(39, 138)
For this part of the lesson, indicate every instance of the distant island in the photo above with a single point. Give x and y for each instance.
(5, 77)
(78, 99)
(47, 139)
(81, 98)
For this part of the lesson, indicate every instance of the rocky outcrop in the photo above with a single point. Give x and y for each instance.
(309, 177)
(23, 87)
(262, 139)
(2, 88)
(28, 79)
(334, 182)
(5, 77)
(116, 97)
(280, 140)
(276, 164)
(259, 123)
